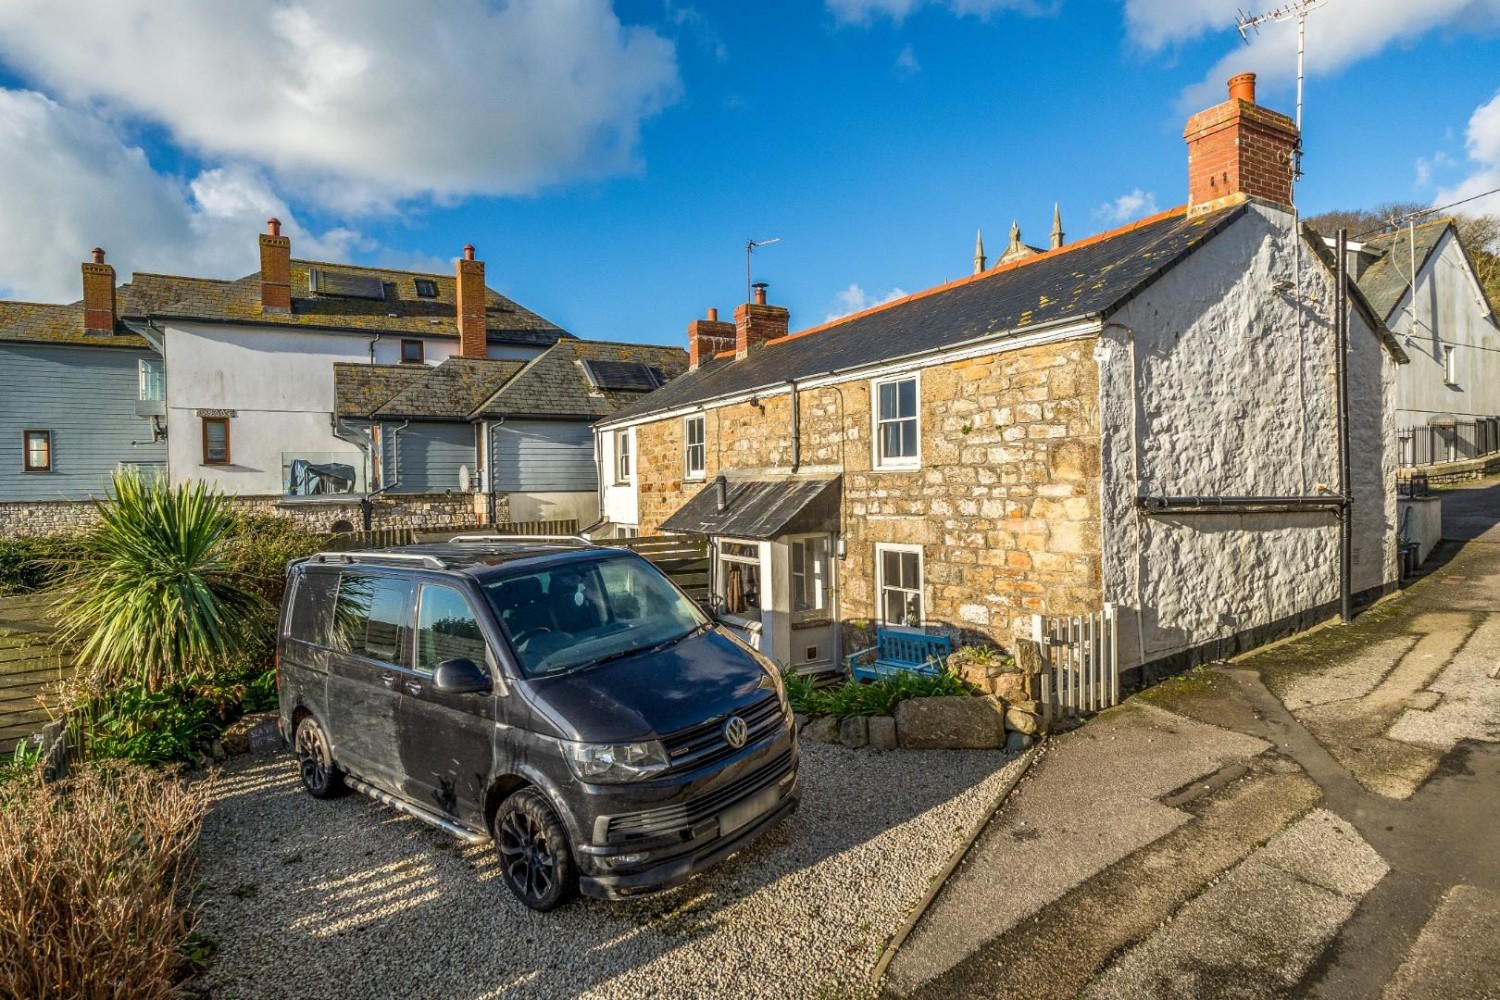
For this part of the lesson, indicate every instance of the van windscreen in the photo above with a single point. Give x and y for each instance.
(588, 611)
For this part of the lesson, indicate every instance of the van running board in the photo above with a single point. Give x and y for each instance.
(416, 812)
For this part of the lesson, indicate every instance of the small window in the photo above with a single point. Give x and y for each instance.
(153, 380)
(412, 352)
(372, 617)
(1450, 365)
(426, 288)
(900, 582)
(896, 431)
(215, 440)
(693, 447)
(739, 590)
(622, 456)
(37, 451)
(447, 630)
(312, 607)
(809, 573)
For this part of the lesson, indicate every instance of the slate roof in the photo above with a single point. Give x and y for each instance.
(555, 383)
(1385, 282)
(358, 389)
(401, 311)
(762, 508)
(451, 390)
(1090, 278)
(49, 323)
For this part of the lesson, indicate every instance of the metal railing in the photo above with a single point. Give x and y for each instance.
(1453, 442)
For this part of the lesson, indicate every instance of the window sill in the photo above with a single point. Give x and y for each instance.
(35, 472)
(907, 467)
(736, 621)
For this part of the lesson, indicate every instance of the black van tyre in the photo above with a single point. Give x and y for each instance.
(535, 859)
(322, 778)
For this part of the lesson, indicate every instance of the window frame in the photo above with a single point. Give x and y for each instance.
(901, 463)
(721, 577)
(816, 575)
(425, 288)
(624, 457)
(420, 359)
(148, 373)
(406, 635)
(701, 472)
(226, 460)
(1449, 360)
(26, 464)
(881, 549)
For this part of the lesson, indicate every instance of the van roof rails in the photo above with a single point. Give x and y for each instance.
(394, 558)
(506, 539)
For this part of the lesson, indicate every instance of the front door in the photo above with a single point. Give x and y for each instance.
(371, 649)
(447, 739)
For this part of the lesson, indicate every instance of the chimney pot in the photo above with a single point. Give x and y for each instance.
(1242, 88)
(707, 337)
(757, 323)
(468, 251)
(713, 314)
(273, 226)
(760, 292)
(98, 255)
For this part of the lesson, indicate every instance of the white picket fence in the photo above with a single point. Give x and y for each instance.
(1080, 662)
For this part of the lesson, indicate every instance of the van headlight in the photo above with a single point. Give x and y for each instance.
(605, 762)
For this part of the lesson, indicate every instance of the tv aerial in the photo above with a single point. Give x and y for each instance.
(1299, 9)
(750, 247)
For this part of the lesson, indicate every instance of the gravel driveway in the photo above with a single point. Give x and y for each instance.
(348, 898)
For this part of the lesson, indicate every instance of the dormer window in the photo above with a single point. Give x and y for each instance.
(426, 288)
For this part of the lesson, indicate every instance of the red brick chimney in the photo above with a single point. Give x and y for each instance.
(98, 296)
(707, 337)
(473, 336)
(275, 269)
(1239, 149)
(755, 323)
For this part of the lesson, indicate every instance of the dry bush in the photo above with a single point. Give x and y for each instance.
(95, 878)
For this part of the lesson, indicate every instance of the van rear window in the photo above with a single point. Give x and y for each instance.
(312, 607)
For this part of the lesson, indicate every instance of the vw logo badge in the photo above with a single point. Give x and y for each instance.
(736, 732)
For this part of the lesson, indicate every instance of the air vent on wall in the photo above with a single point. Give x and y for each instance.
(345, 286)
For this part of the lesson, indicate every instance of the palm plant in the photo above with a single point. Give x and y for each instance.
(154, 602)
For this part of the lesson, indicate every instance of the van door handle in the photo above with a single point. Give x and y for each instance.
(388, 679)
(413, 687)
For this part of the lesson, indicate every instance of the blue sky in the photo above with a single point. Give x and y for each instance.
(610, 161)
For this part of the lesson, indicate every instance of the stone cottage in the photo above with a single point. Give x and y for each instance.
(1147, 417)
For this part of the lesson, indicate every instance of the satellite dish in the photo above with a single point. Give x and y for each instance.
(463, 479)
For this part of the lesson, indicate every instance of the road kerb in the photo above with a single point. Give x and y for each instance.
(954, 860)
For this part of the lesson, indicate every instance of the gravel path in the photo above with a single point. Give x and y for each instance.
(350, 899)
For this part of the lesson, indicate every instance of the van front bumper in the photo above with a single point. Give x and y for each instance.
(598, 881)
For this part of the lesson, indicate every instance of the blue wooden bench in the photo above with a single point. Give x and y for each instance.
(897, 651)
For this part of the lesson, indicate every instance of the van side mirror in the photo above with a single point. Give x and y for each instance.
(461, 676)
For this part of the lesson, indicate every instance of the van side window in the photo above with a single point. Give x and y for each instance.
(372, 617)
(447, 629)
(312, 607)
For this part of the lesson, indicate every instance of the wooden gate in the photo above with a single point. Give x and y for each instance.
(1080, 663)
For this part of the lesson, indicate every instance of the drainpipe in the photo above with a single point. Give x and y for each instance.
(796, 428)
(359, 440)
(373, 341)
(367, 505)
(1341, 367)
(489, 464)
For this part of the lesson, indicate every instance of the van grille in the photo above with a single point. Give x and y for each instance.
(684, 816)
(704, 743)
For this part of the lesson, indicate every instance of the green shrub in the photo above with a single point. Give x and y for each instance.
(136, 724)
(878, 697)
(156, 602)
(31, 564)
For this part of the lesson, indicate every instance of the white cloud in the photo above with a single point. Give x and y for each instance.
(1482, 142)
(854, 299)
(1336, 36)
(906, 62)
(84, 188)
(1427, 166)
(363, 103)
(867, 11)
(1136, 204)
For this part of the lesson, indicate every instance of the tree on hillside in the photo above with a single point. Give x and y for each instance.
(1479, 234)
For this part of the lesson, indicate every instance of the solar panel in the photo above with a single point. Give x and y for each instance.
(345, 286)
(625, 376)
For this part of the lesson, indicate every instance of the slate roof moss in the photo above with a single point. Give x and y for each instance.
(1386, 281)
(359, 389)
(555, 384)
(50, 323)
(451, 390)
(400, 311)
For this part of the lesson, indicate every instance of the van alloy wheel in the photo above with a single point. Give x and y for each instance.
(321, 777)
(534, 854)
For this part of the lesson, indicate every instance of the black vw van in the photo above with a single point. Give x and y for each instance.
(567, 702)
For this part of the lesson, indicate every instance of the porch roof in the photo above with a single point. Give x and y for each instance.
(761, 508)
